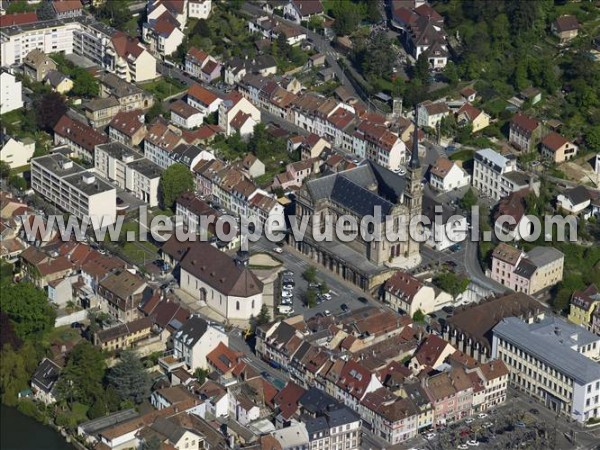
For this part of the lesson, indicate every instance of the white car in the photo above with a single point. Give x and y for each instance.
(487, 424)
(462, 447)
(327, 296)
(469, 420)
(482, 415)
(430, 436)
(473, 443)
(286, 294)
(278, 250)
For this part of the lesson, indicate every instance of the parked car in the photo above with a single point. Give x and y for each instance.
(430, 435)
(326, 296)
(534, 411)
(286, 294)
(482, 415)
(520, 425)
(314, 285)
(469, 420)
(473, 443)
(327, 313)
(363, 300)
(344, 307)
(462, 447)
(278, 250)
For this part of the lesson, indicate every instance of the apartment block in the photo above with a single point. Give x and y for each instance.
(553, 361)
(73, 189)
(129, 170)
(488, 171)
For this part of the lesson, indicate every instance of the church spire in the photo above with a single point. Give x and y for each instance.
(414, 162)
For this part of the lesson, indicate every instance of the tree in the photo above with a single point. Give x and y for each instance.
(348, 16)
(16, 370)
(451, 73)
(18, 182)
(201, 375)
(174, 181)
(324, 288)
(421, 68)
(451, 283)
(50, 107)
(129, 378)
(4, 169)
(117, 13)
(418, 316)
(7, 333)
(263, 316)
(592, 138)
(45, 11)
(310, 274)
(311, 298)
(155, 111)
(202, 29)
(28, 309)
(469, 200)
(85, 85)
(81, 379)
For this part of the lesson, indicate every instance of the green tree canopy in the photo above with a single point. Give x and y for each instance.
(50, 107)
(82, 378)
(28, 309)
(129, 378)
(451, 283)
(469, 200)
(310, 274)
(174, 181)
(263, 316)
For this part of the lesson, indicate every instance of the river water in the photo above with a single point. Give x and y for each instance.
(20, 432)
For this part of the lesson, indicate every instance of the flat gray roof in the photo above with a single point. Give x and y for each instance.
(542, 256)
(492, 156)
(95, 187)
(119, 151)
(146, 168)
(551, 341)
(58, 164)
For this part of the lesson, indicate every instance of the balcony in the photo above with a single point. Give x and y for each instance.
(169, 362)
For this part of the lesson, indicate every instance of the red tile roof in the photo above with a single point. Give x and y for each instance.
(524, 123)
(223, 358)
(128, 122)
(566, 23)
(430, 350)
(471, 112)
(63, 6)
(239, 120)
(354, 379)
(9, 20)
(287, 399)
(182, 109)
(202, 94)
(554, 141)
(404, 285)
(308, 7)
(197, 54)
(442, 167)
(126, 45)
(79, 133)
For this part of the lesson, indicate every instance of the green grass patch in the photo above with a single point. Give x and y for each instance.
(462, 155)
(164, 87)
(63, 335)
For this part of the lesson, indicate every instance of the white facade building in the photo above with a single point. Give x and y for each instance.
(16, 153)
(194, 340)
(73, 189)
(11, 93)
(554, 361)
(488, 171)
(199, 9)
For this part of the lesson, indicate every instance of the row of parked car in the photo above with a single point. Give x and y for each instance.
(287, 293)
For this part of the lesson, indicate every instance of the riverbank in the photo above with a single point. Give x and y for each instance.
(21, 432)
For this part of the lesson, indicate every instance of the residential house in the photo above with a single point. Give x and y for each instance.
(42, 267)
(583, 305)
(431, 114)
(470, 115)
(202, 66)
(266, 211)
(431, 354)
(469, 94)
(451, 394)
(302, 10)
(316, 60)
(226, 285)
(565, 28)
(67, 9)
(557, 149)
(445, 175)
(16, 152)
(524, 132)
(531, 272)
(406, 294)
(121, 292)
(296, 173)
(447, 224)
(11, 93)
(43, 381)
(312, 146)
(59, 82)
(60, 291)
(129, 59)
(129, 95)
(16, 19)
(124, 335)
(424, 33)
(513, 206)
(199, 9)
(163, 33)
(185, 116)
(128, 127)
(100, 111)
(79, 137)
(575, 200)
(37, 65)
(489, 170)
(553, 361)
(294, 437)
(195, 340)
(203, 100)
(237, 68)
(237, 114)
(160, 142)
(252, 166)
